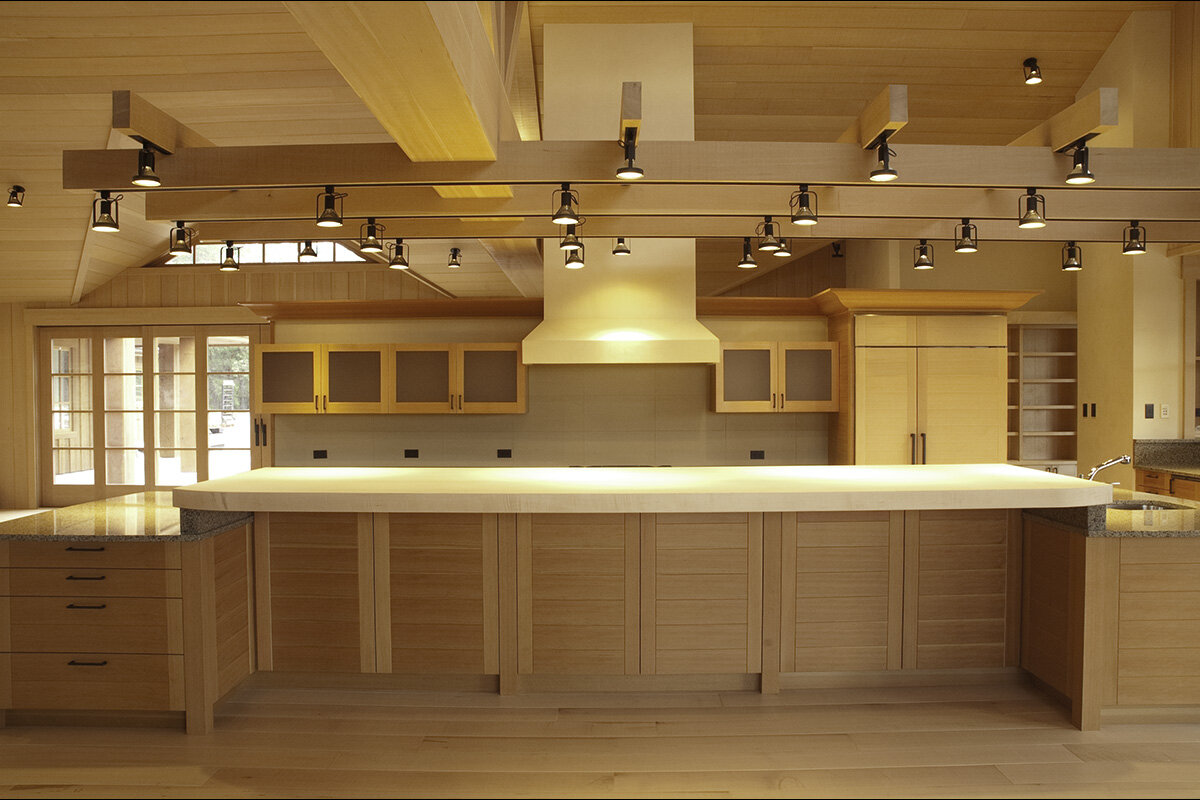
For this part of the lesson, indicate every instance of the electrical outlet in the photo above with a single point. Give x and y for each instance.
(1163, 413)
(1149, 410)
(320, 454)
(412, 453)
(758, 455)
(506, 453)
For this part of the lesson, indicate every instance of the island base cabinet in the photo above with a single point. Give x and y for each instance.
(97, 681)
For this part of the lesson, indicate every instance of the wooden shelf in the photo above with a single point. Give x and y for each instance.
(1050, 354)
(1042, 421)
(1047, 433)
(1069, 407)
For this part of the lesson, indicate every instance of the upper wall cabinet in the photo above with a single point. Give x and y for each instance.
(777, 376)
(320, 379)
(457, 378)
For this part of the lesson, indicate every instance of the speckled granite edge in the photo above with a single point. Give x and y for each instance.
(1166, 453)
(1092, 519)
(196, 524)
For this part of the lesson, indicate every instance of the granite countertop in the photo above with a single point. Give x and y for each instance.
(1189, 472)
(1103, 522)
(132, 517)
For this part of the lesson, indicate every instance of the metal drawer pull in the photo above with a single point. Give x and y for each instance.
(85, 549)
(74, 663)
(82, 605)
(85, 577)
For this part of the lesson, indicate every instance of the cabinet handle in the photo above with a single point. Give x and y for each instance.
(324, 402)
(256, 433)
(460, 402)
(264, 431)
(96, 607)
(85, 577)
(924, 451)
(73, 549)
(317, 403)
(912, 454)
(74, 663)
(772, 399)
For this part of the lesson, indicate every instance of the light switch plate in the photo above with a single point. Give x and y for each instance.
(1164, 413)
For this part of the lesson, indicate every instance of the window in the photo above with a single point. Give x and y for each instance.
(267, 253)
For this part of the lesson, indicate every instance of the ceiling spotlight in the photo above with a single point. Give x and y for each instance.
(621, 248)
(106, 212)
(569, 241)
(145, 170)
(1080, 173)
(923, 255)
(568, 211)
(836, 247)
(768, 240)
(883, 171)
(784, 251)
(1032, 208)
(181, 239)
(16, 196)
(574, 259)
(455, 258)
(630, 171)
(306, 253)
(329, 208)
(368, 236)
(804, 206)
(1033, 73)
(230, 263)
(966, 237)
(399, 259)
(1072, 257)
(747, 261)
(1135, 240)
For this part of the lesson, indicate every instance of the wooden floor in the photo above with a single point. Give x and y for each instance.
(276, 741)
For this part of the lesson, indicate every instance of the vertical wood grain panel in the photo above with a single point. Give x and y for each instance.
(231, 590)
(381, 525)
(509, 634)
(787, 592)
(366, 593)
(895, 602)
(200, 635)
(524, 594)
(633, 605)
(1012, 626)
(912, 572)
(754, 594)
(262, 591)
(491, 596)
(772, 525)
(649, 595)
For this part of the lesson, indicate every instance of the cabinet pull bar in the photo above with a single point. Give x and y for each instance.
(912, 454)
(264, 430)
(460, 402)
(85, 577)
(324, 402)
(73, 549)
(74, 663)
(924, 451)
(256, 433)
(772, 399)
(96, 607)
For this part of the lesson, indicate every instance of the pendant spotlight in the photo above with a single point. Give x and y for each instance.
(329, 208)
(804, 206)
(1135, 240)
(630, 171)
(923, 255)
(455, 258)
(569, 241)
(621, 248)
(883, 171)
(306, 253)
(1032, 208)
(145, 170)
(574, 259)
(368, 236)
(766, 231)
(106, 212)
(747, 261)
(1033, 73)
(784, 250)
(399, 259)
(230, 263)
(966, 237)
(1072, 257)
(568, 208)
(181, 239)
(1080, 174)
(16, 196)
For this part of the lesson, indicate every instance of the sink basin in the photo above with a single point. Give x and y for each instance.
(1144, 505)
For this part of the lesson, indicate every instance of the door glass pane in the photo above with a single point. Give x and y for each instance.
(125, 467)
(172, 430)
(422, 376)
(123, 354)
(229, 354)
(124, 430)
(288, 377)
(229, 433)
(227, 462)
(72, 429)
(123, 392)
(747, 374)
(228, 392)
(175, 392)
(229, 429)
(71, 392)
(809, 374)
(175, 467)
(355, 376)
(175, 354)
(73, 467)
(71, 356)
(490, 376)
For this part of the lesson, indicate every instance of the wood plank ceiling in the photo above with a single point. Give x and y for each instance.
(245, 73)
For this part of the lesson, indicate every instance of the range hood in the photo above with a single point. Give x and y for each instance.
(635, 309)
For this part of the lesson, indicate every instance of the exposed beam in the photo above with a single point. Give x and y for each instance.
(705, 162)
(885, 114)
(520, 260)
(631, 111)
(768, 265)
(378, 258)
(1183, 249)
(522, 81)
(139, 119)
(1083, 119)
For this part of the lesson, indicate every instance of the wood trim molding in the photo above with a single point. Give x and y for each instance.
(198, 315)
(836, 301)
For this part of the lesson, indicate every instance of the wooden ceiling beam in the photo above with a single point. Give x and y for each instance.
(703, 162)
(521, 262)
(138, 119)
(1087, 117)
(883, 116)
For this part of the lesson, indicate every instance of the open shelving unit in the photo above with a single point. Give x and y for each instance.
(1042, 378)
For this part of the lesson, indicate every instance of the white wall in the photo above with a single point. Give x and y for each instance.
(997, 265)
(1138, 64)
(1158, 301)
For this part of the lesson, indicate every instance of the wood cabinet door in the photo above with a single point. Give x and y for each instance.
(490, 378)
(287, 379)
(808, 376)
(962, 405)
(356, 376)
(746, 377)
(885, 413)
(422, 379)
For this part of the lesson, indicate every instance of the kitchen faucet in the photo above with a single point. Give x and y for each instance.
(1112, 462)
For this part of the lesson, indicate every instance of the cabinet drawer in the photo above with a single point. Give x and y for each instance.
(1186, 488)
(94, 625)
(127, 555)
(87, 582)
(1153, 481)
(96, 681)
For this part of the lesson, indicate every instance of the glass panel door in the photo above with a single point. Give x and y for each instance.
(70, 411)
(229, 423)
(124, 429)
(175, 462)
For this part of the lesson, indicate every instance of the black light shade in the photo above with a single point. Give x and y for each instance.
(574, 259)
(399, 259)
(883, 171)
(306, 253)
(329, 208)
(784, 250)
(1080, 174)
(1135, 240)
(768, 235)
(966, 237)
(621, 248)
(145, 170)
(568, 208)
(630, 171)
(1033, 73)
(106, 212)
(747, 261)
(923, 255)
(230, 263)
(804, 206)
(181, 239)
(569, 241)
(1031, 208)
(1072, 257)
(455, 258)
(16, 196)
(369, 235)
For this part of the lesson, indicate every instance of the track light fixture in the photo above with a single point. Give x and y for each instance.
(306, 253)
(369, 235)
(621, 248)
(106, 212)
(181, 239)
(747, 261)
(767, 232)
(1080, 174)
(1032, 210)
(399, 259)
(568, 207)
(883, 171)
(1135, 240)
(923, 255)
(145, 170)
(630, 171)
(455, 258)
(784, 249)
(16, 196)
(1072, 257)
(804, 206)
(836, 247)
(230, 263)
(1033, 73)
(574, 259)
(569, 241)
(966, 237)
(329, 208)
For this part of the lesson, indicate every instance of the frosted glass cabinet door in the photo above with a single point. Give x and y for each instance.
(355, 377)
(421, 379)
(287, 378)
(808, 376)
(745, 377)
(491, 379)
